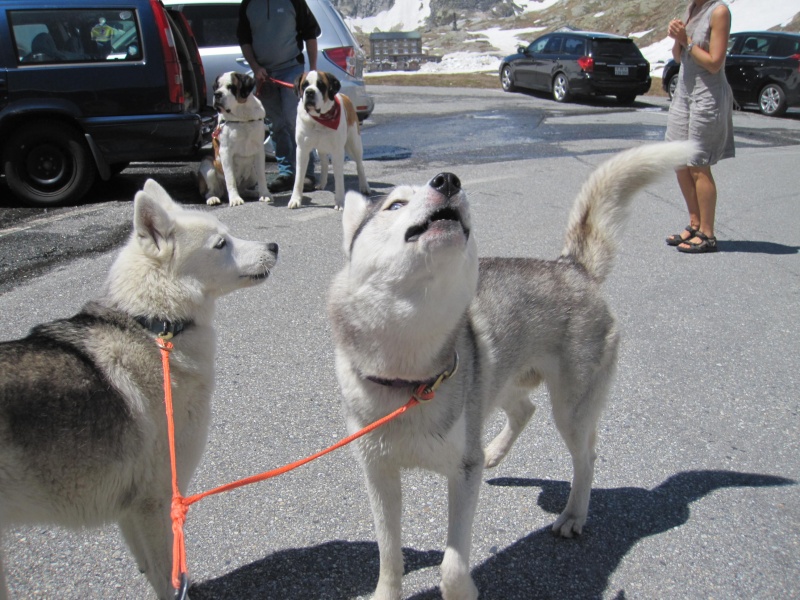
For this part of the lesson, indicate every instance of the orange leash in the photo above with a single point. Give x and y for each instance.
(180, 504)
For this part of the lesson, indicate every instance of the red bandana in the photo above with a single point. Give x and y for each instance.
(332, 117)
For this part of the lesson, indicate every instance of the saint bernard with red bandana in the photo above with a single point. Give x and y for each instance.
(327, 121)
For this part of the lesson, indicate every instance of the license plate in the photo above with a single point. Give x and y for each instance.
(620, 70)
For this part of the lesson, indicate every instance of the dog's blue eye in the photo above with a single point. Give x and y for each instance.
(220, 244)
(396, 205)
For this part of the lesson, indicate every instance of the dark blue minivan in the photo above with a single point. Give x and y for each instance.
(87, 86)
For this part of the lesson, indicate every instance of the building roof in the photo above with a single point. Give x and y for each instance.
(395, 35)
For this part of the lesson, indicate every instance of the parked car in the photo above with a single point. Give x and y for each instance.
(762, 67)
(86, 86)
(214, 25)
(570, 63)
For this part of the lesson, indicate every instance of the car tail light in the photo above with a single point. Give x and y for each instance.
(586, 63)
(797, 58)
(344, 58)
(171, 62)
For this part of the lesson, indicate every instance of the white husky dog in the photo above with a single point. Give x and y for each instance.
(83, 435)
(414, 302)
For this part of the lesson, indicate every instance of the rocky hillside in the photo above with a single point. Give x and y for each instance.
(447, 30)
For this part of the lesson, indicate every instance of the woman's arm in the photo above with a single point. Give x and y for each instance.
(713, 59)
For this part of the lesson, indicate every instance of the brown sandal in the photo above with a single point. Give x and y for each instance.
(676, 239)
(706, 244)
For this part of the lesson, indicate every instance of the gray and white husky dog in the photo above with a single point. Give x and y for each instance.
(83, 435)
(414, 305)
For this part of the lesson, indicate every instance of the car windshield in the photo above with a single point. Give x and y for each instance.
(615, 49)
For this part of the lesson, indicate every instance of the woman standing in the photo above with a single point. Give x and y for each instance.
(702, 111)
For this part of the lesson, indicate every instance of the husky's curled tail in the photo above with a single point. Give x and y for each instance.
(602, 205)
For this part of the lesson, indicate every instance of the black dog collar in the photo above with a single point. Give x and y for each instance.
(429, 383)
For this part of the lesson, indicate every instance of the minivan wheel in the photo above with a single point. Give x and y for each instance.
(48, 164)
(507, 79)
(561, 88)
(772, 100)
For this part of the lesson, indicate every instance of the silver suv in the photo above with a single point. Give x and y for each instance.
(213, 23)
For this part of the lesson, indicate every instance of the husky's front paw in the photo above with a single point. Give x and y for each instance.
(213, 201)
(236, 201)
(296, 201)
(365, 190)
(568, 524)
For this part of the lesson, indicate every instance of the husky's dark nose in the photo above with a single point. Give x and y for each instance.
(446, 184)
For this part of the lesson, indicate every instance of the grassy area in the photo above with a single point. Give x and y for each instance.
(466, 80)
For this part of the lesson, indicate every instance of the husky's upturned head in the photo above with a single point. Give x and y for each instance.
(414, 227)
(412, 270)
(178, 261)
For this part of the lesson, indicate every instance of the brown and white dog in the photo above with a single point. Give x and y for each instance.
(238, 164)
(327, 121)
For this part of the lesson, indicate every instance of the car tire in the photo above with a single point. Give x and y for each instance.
(561, 91)
(48, 164)
(772, 100)
(672, 86)
(626, 98)
(507, 79)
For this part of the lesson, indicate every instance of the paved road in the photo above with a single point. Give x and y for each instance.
(695, 493)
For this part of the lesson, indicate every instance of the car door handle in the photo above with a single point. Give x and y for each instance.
(242, 60)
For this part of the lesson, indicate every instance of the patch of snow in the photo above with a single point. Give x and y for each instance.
(639, 34)
(507, 40)
(535, 5)
(405, 15)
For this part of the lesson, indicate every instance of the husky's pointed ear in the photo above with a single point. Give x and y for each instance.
(152, 223)
(153, 189)
(355, 207)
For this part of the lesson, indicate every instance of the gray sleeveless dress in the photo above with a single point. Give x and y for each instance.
(702, 106)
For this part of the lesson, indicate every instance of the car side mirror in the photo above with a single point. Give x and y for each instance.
(522, 49)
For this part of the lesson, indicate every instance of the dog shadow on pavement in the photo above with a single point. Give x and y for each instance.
(540, 565)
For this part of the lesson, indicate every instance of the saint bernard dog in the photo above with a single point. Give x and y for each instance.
(237, 168)
(327, 121)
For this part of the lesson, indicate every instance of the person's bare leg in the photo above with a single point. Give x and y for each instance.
(705, 193)
(686, 182)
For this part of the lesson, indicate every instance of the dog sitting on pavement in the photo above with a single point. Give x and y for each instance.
(415, 308)
(327, 121)
(237, 168)
(83, 434)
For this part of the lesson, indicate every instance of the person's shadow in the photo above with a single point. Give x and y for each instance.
(540, 565)
(756, 247)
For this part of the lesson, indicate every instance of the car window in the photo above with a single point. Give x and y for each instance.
(611, 48)
(786, 46)
(537, 47)
(573, 45)
(553, 46)
(213, 25)
(75, 35)
(756, 45)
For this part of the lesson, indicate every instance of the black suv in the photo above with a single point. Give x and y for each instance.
(86, 86)
(762, 67)
(569, 63)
